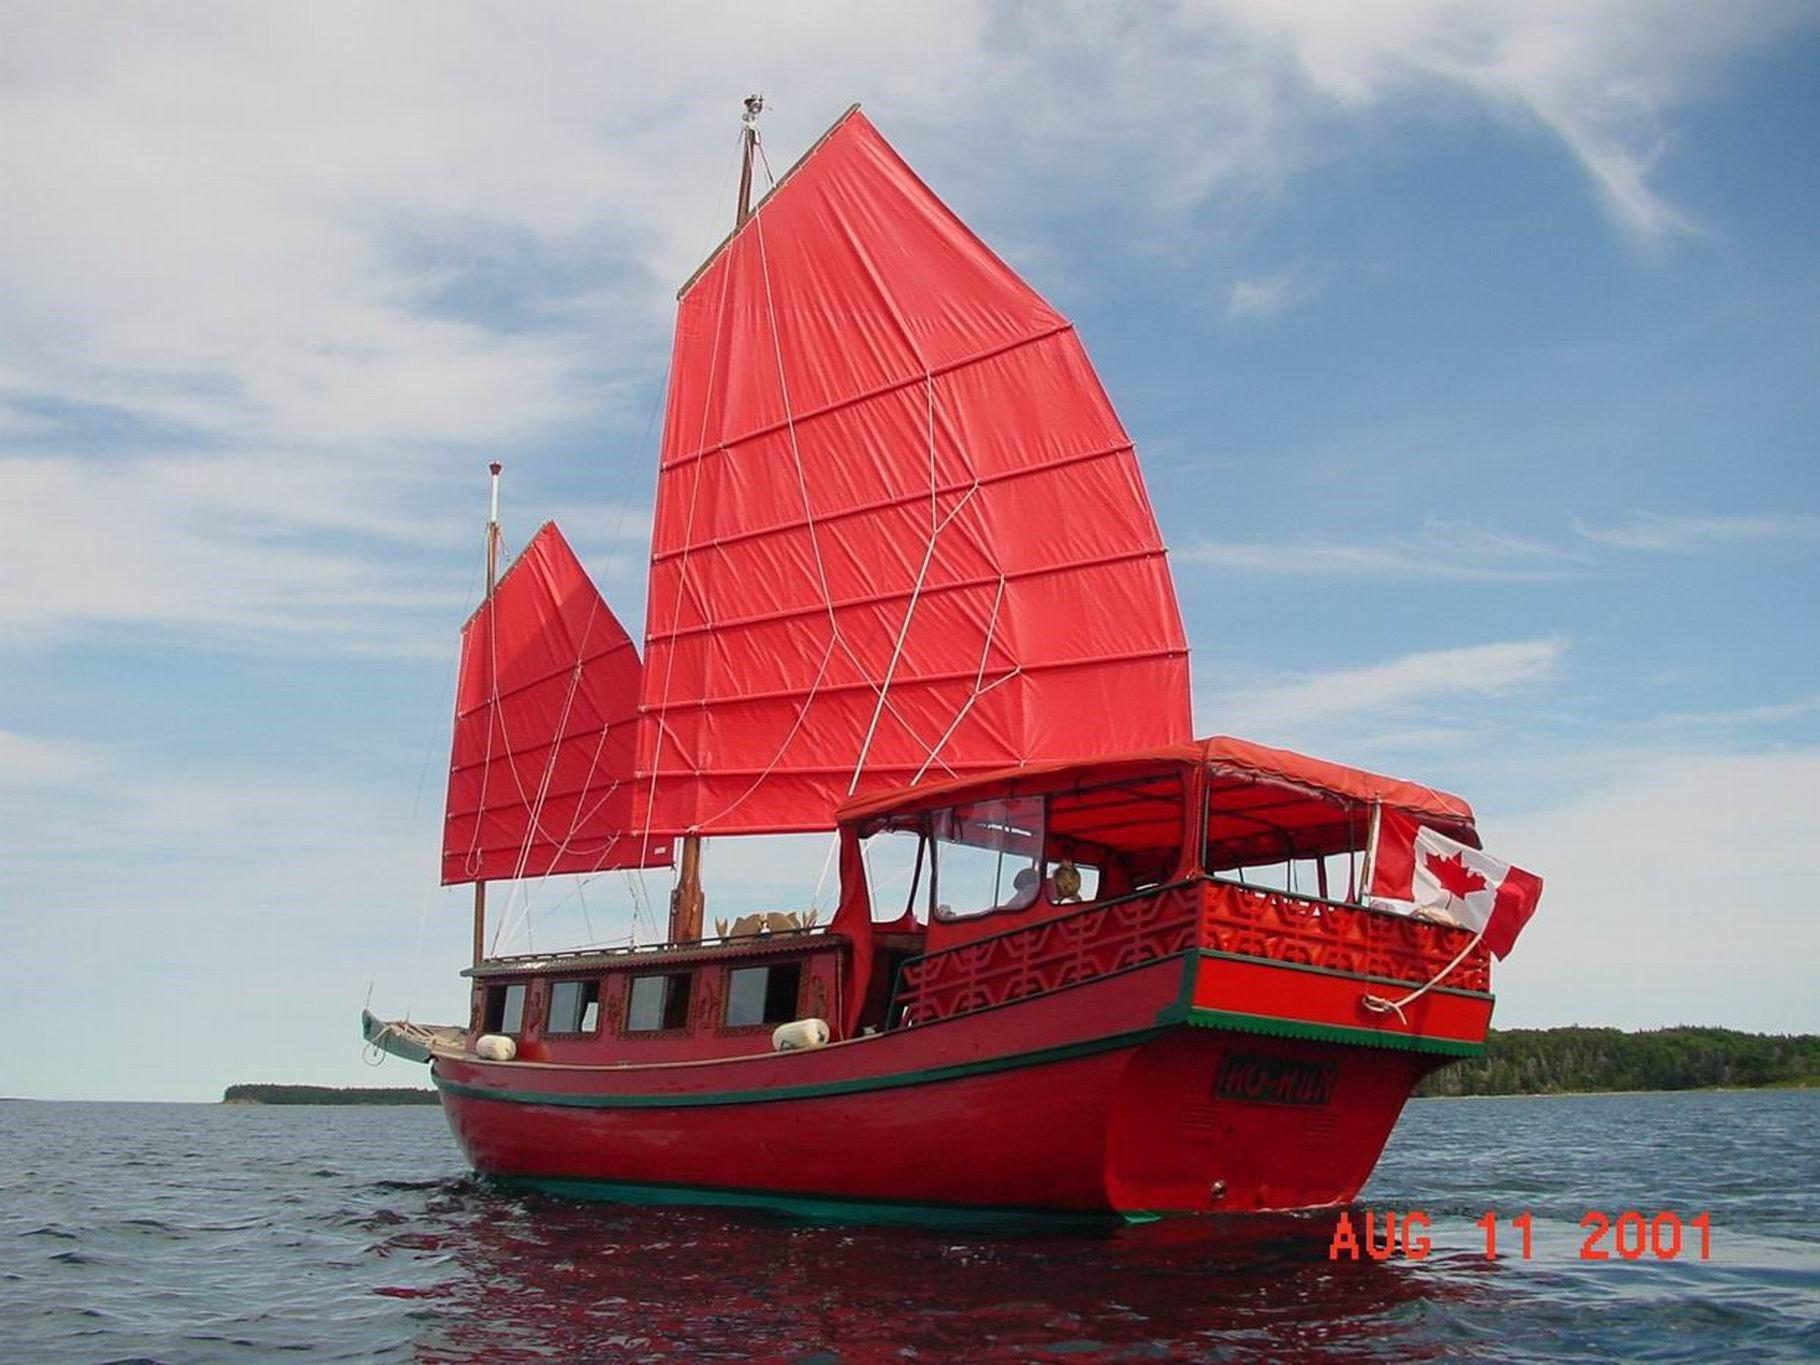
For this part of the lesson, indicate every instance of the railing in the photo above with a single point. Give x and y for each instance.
(1021, 963)
(1256, 922)
(1216, 915)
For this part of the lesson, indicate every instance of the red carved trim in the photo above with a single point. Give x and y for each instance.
(1256, 922)
(1047, 956)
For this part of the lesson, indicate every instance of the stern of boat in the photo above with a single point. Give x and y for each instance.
(1283, 1080)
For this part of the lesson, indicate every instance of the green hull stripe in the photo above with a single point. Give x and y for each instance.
(1350, 976)
(816, 1207)
(1329, 1033)
(771, 1094)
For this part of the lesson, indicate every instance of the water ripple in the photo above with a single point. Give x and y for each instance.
(354, 1234)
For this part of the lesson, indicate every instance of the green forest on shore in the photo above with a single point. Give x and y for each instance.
(326, 1094)
(1557, 1061)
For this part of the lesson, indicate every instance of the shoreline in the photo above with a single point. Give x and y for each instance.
(1583, 1094)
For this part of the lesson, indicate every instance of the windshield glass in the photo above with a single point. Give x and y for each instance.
(897, 874)
(988, 856)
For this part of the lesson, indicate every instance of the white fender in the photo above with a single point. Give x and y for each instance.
(802, 1033)
(495, 1047)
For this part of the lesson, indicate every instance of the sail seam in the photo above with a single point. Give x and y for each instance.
(659, 728)
(834, 635)
(936, 524)
(1125, 447)
(542, 678)
(959, 585)
(534, 824)
(978, 691)
(703, 450)
(937, 679)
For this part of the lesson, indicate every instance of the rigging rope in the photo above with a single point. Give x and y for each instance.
(682, 565)
(1377, 1004)
(534, 821)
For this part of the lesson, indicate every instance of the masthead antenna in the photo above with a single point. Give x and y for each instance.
(755, 105)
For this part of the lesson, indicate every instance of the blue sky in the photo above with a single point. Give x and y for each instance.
(1470, 351)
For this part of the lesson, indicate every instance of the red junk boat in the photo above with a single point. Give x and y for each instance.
(906, 587)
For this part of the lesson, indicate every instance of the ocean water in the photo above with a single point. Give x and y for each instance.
(199, 1233)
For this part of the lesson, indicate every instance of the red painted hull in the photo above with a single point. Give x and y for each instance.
(1130, 1095)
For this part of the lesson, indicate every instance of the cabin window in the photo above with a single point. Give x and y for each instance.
(1284, 839)
(506, 1008)
(1072, 881)
(574, 1007)
(988, 856)
(1333, 878)
(659, 1004)
(763, 995)
(897, 874)
(1114, 838)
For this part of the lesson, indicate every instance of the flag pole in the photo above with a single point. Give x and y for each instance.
(1371, 853)
(480, 886)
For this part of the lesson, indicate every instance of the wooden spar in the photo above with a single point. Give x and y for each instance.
(687, 903)
(480, 887)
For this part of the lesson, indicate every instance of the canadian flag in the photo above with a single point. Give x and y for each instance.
(1422, 872)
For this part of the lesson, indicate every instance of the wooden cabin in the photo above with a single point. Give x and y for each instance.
(965, 895)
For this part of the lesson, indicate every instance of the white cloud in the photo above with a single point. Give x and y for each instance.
(1602, 77)
(1268, 295)
(336, 251)
(1681, 534)
(1385, 690)
(1674, 894)
(215, 549)
(299, 270)
(29, 761)
(1772, 713)
(1440, 550)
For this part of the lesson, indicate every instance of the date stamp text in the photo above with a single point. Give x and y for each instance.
(1379, 1235)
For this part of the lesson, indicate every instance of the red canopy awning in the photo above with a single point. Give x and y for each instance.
(1238, 759)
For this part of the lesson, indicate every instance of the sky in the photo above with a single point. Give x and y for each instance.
(1470, 352)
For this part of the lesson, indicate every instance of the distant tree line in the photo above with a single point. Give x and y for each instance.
(326, 1094)
(1560, 1060)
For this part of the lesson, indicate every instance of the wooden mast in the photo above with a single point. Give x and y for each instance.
(480, 887)
(755, 105)
(687, 903)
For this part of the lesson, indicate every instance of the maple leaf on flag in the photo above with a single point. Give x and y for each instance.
(1454, 876)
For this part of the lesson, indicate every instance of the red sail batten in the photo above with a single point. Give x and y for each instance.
(852, 370)
(567, 680)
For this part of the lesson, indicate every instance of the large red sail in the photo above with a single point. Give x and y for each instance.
(546, 724)
(900, 534)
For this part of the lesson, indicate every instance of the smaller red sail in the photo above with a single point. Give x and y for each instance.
(546, 729)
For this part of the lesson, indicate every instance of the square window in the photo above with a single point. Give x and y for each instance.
(506, 1008)
(763, 995)
(574, 1007)
(659, 1003)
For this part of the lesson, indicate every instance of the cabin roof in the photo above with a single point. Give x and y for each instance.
(655, 956)
(1237, 758)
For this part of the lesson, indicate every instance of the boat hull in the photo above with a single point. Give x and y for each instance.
(1120, 1097)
